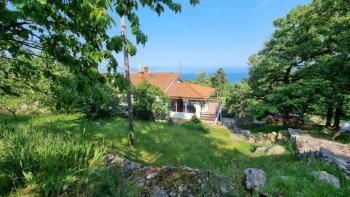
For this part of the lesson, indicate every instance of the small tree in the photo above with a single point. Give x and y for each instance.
(12, 104)
(150, 102)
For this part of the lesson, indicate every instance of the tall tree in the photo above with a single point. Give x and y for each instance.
(306, 61)
(203, 78)
(219, 81)
(127, 75)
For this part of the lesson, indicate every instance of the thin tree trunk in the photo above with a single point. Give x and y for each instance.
(338, 111)
(329, 116)
(127, 75)
(337, 117)
(14, 115)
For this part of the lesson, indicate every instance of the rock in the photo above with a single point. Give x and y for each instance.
(260, 138)
(308, 146)
(159, 193)
(246, 133)
(272, 137)
(255, 178)
(169, 181)
(276, 150)
(342, 162)
(260, 150)
(151, 175)
(282, 136)
(326, 177)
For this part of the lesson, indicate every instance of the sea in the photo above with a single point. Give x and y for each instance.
(231, 77)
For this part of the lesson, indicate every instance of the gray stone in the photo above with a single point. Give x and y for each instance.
(308, 146)
(151, 175)
(159, 193)
(326, 177)
(260, 150)
(246, 133)
(276, 150)
(255, 178)
(153, 181)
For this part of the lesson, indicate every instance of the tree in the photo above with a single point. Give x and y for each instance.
(203, 78)
(150, 102)
(72, 33)
(305, 63)
(219, 81)
(127, 75)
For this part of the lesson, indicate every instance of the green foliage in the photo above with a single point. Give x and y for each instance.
(150, 102)
(195, 125)
(70, 95)
(12, 104)
(219, 81)
(69, 36)
(304, 67)
(195, 119)
(235, 96)
(203, 78)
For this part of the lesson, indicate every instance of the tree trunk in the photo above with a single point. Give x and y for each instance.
(329, 116)
(338, 112)
(285, 117)
(14, 115)
(127, 75)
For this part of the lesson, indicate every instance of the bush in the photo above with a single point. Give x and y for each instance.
(195, 119)
(150, 102)
(99, 100)
(195, 124)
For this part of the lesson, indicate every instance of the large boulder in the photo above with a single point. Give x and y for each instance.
(255, 178)
(170, 181)
(261, 150)
(329, 178)
(276, 150)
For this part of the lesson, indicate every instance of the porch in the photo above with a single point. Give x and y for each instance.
(186, 108)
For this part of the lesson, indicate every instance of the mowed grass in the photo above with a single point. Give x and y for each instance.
(173, 145)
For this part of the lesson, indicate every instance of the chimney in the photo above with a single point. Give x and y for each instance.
(145, 71)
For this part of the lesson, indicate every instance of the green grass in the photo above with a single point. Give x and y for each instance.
(156, 144)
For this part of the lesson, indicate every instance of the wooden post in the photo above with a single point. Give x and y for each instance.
(127, 76)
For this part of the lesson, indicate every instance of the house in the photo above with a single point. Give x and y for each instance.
(187, 99)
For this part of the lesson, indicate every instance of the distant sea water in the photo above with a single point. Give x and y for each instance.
(232, 77)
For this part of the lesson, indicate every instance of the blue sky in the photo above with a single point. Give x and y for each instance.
(215, 33)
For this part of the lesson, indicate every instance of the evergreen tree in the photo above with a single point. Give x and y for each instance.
(219, 81)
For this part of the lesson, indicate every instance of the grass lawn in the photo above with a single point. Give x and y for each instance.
(173, 145)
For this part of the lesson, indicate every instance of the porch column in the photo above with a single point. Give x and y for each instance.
(186, 102)
(175, 105)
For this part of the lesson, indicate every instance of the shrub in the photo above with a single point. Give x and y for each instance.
(99, 100)
(195, 124)
(195, 119)
(150, 102)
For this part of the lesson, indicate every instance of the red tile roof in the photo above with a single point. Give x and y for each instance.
(190, 91)
(170, 84)
(162, 79)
